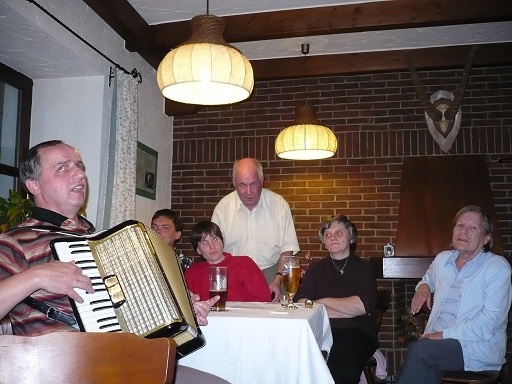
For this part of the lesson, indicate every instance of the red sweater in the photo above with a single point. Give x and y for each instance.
(245, 280)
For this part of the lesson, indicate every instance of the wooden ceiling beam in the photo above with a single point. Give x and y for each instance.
(153, 42)
(366, 62)
(382, 15)
(133, 29)
(385, 61)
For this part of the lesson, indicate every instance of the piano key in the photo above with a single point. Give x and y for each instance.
(103, 327)
(99, 324)
(90, 316)
(100, 297)
(93, 320)
(90, 297)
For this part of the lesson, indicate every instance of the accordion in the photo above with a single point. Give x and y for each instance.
(139, 285)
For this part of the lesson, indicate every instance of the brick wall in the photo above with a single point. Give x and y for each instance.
(378, 121)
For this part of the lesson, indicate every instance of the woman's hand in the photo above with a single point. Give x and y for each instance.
(433, 336)
(422, 296)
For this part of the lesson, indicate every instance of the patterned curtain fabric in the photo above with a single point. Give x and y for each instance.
(117, 194)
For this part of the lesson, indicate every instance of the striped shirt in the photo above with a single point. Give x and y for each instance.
(23, 248)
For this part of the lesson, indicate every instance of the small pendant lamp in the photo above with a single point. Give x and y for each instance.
(306, 138)
(206, 70)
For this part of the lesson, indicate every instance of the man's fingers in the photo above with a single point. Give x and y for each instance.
(73, 294)
(213, 300)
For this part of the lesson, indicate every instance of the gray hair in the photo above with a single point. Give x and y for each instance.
(486, 224)
(255, 162)
(344, 220)
(30, 165)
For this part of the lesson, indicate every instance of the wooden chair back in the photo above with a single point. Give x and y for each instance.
(86, 358)
(381, 305)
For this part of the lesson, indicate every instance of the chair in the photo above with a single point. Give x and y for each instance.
(469, 377)
(86, 358)
(381, 306)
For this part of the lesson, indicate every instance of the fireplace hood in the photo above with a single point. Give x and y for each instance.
(433, 189)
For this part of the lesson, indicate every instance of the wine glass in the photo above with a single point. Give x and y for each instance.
(291, 278)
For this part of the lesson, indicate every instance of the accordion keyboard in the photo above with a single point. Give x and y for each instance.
(96, 313)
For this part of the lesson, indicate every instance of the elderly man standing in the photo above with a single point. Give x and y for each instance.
(256, 222)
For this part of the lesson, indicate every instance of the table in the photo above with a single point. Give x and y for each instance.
(254, 343)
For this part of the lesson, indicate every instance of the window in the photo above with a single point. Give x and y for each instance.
(15, 108)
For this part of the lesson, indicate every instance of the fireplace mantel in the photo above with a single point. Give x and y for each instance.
(401, 267)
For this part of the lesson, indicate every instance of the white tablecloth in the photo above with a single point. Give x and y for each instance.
(254, 343)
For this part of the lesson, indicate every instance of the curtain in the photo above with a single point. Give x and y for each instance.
(117, 190)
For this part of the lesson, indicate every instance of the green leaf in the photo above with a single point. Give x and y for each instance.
(13, 210)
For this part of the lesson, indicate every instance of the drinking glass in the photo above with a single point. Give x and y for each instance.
(291, 278)
(283, 299)
(218, 282)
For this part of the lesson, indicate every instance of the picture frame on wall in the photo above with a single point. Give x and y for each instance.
(146, 175)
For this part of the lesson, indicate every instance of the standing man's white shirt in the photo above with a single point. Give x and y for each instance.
(263, 233)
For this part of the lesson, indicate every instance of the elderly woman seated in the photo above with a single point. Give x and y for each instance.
(346, 285)
(467, 326)
(246, 282)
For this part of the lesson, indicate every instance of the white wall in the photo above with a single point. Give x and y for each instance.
(77, 109)
(73, 110)
(156, 133)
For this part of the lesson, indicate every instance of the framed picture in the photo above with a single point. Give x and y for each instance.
(147, 161)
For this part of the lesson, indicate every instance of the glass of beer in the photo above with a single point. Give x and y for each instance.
(291, 278)
(218, 281)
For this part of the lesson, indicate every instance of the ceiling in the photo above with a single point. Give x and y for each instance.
(345, 37)
(265, 32)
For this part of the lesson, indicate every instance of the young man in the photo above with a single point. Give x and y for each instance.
(168, 225)
(54, 174)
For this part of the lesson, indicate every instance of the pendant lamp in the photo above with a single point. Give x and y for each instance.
(306, 138)
(206, 70)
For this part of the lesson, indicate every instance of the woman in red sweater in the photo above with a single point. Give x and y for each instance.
(246, 282)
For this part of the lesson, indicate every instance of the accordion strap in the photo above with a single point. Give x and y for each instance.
(6, 326)
(51, 312)
(52, 229)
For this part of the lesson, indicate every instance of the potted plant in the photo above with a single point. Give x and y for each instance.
(13, 210)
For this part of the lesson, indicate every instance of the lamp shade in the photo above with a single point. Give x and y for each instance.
(206, 70)
(306, 138)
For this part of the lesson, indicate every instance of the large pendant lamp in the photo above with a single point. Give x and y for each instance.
(306, 138)
(206, 70)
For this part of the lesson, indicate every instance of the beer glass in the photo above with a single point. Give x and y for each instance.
(291, 278)
(218, 282)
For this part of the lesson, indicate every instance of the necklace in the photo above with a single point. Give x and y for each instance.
(340, 270)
